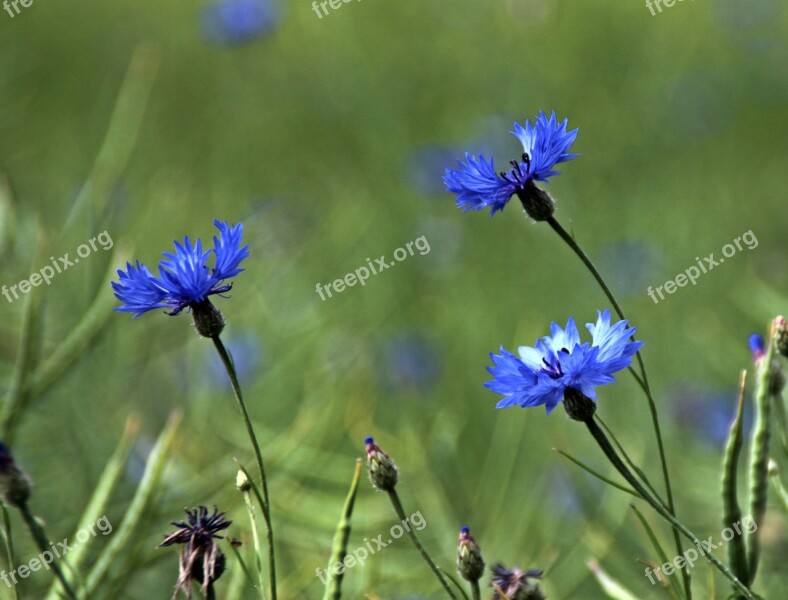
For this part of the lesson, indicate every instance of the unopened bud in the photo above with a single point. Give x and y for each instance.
(538, 204)
(242, 482)
(14, 483)
(382, 471)
(578, 406)
(470, 563)
(208, 319)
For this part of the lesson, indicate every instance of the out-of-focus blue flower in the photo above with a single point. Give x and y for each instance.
(631, 264)
(707, 414)
(184, 278)
(247, 357)
(233, 22)
(478, 186)
(559, 361)
(409, 362)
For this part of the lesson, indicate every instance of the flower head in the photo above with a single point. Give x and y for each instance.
(559, 362)
(470, 563)
(513, 584)
(383, 473)
(545, 144)
(201, 558)
(184, 278)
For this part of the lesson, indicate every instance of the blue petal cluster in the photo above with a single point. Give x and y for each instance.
(478, 186)
(559, 361)
(232, 22)
(184, 278)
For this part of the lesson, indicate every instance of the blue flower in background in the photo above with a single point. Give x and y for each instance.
(184, 278)
(478, 186)
(247, 354)
(707, 414)
(410, 362)
(558, 362)
(237, 21)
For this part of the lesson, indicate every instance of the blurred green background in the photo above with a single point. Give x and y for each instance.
(327, 138)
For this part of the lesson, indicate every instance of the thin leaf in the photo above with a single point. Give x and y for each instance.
(674, 588)
(597, 474)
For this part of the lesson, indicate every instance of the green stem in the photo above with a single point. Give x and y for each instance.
(230, 368)
(642, 381)
(42, 541)
(477, 594)
(601, 439)
(435, 569)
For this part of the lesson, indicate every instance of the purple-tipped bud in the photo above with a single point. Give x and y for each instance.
(781, 335)
(14, 483)
(470, 563)
(759, 350)
(757, 347)
(382, 471)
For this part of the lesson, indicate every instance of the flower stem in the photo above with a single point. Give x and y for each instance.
(41, 539)
(601, 439)
(477, 594)
(435, 569)
(266, 506)
(642, 380)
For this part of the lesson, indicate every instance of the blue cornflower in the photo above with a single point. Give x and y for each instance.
(545, 144)
(559, 362)
(233, 22)
(184, 278)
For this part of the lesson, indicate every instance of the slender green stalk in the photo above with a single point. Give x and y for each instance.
(598, 475)
(599, 436)
(42, 541)
(341, 536)
(674, 587)
(210, 593)
(230, 368)
(642, 381)
(244, 569)
(9, 543)
(258, 553)
(737, 552)
(759, 455)
(435, 569)
(477, 593)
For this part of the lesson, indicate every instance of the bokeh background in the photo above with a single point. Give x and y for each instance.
(327, 137)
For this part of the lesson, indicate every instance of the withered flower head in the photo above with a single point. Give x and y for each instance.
(201, 559)
(513, 584)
